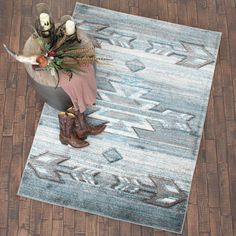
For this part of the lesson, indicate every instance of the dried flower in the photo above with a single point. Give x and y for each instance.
(42, 60)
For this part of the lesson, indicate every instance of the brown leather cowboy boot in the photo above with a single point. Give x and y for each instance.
(67, 135)
(82, 128)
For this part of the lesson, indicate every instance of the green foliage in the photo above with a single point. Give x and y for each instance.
(41, 43)
(69, 56)
(46, 47)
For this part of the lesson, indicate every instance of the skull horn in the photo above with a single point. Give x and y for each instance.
(28, 60)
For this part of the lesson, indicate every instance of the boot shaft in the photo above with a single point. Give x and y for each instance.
(83, 129)
(80, 120)
(66, 121)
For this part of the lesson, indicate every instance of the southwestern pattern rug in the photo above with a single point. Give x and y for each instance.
(153, 96)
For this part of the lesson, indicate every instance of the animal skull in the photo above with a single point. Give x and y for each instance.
(45, 21)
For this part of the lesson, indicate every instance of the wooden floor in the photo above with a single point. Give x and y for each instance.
(212, 207)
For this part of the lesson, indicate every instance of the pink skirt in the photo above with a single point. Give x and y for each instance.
(81, 88)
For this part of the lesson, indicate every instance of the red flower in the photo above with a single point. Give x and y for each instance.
(52, 53)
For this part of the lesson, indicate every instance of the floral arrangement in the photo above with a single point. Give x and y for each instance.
(64, 54)
(60, 47)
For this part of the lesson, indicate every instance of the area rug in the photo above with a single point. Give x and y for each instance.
(153, 95)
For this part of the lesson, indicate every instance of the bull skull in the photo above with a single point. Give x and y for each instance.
(24, 59)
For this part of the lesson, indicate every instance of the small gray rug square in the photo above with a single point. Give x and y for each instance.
(153, 96)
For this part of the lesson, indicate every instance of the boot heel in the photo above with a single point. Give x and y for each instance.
(63, 141)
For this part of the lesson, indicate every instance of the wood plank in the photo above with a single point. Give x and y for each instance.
(232, 38)
(212, 174)
(57, 220)
(231, 132)
(193, 193)
(2, 104)
(146, 231)
(102, 226)
(182, 12)
(22, 81)
(6, 154)
(226, 225)
(113, 227)
(232, 160)
(26, 29)
(57, 228)
(220, 130)
(7, 21)
(159, 232)
(215, 221)
(35, 217)
(218, 82)
(26, 148)
(24, 216)
(114, 5)
(19, 109)
(9, 112)
(222, 27)
(30, 96)
(136, 230)
(68, 222)
(134, 10)
(125, 228)
(144, 7)
(225, 206)
(233, 202)
(162, 10)
(192, 13)
(58, 212)
(229, 103)
(209, 127)
(192, 222)
(91, 225)
(80, 223)
(2, 86)
(104, 3)
(15, 27)
(124, 6)
(14, 180)
(94, 2)
(202, 191)
(29, 121)
(46, 225)
(12, 75)
(172, 11)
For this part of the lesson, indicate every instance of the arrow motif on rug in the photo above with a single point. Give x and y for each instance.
(127, 184)
(106, 33)
(116, 39)
(193, 55)
(167, 193)
(49, 166)
(91, 27)
(163, 192)
(85, 175)
(125, 108)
